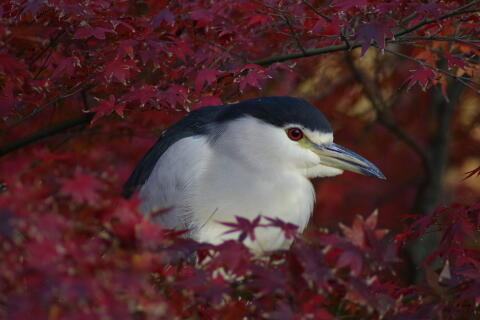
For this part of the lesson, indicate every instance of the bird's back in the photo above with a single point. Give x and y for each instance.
(196, 123)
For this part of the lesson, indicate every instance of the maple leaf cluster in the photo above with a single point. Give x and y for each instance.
(111, 261)
(87, 86)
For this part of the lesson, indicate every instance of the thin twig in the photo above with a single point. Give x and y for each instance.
(409, 18)
(437, 19)
(308, 53)
(55, 100)
(46, 132)
(462, 80)
(446, 39)
(318, 13)
(282, 12)
(342, 47)
(294, 34)
(229, 51)
(383, 117)
(53, 42)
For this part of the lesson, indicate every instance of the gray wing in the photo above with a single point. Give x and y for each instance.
(196, 123)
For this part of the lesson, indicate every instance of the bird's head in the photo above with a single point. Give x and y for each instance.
(289, 132)
(330, 158)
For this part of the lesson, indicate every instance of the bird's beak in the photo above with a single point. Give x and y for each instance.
(333, 155)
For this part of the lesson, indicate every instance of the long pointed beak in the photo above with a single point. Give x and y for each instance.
(336, 156)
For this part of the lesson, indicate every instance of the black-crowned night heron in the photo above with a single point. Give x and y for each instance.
(246, 159)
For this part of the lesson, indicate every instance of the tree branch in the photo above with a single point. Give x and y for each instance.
(429, 192)
(53, 42)
(463, 80)
(308, 53)
(446, 39)
(54, 100)
(383, 117)
(439, 18)
(318, 13)
(336, 48)
(294, 34)
(46, 132)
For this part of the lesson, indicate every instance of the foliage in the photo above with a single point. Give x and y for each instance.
(86, 86)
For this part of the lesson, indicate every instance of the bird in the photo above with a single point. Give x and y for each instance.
(250, 159)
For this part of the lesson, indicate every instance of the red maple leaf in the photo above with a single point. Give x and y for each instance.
(254, 73)
(429, 9)
(290, 230)
(105, 107)
(357, 234)
(457, 232)
(424, 77)
(453, 62)
(7, 99)
(34, 6)
(46, 155)
(260, 19)
(11, 65)
(126, 48)
(119, 70)
(205, 76)
(373, 31)
(244, 226)
(348, 4)
(150, 234)
(352, 257)
(176, 94)
(202, 16)
(233, 256)
(66, 67)
(164, 15)
(142, 95)
(208, 101)
(181, 50)
(83, 187)
(268, 280)
(87, 32)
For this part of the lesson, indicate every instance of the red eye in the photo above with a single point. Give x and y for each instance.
(295, 134)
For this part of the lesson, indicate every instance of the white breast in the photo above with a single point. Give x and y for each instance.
(248, 169)
(234, 190)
